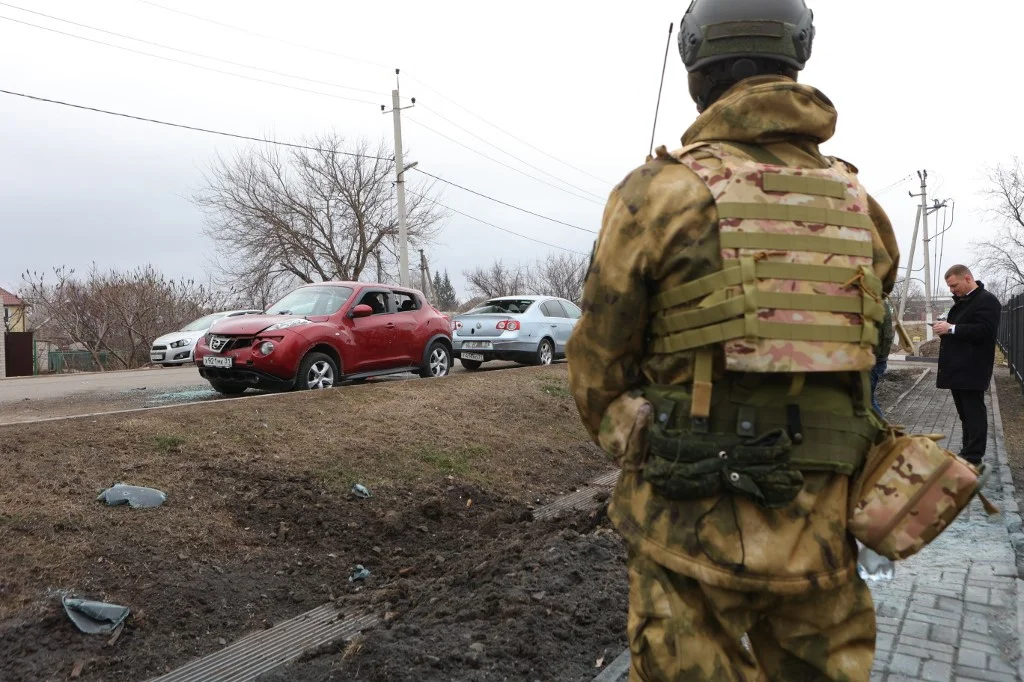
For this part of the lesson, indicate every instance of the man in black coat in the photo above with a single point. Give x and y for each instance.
(967, 351)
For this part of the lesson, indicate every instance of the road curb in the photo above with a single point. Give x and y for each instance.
(1012, 518)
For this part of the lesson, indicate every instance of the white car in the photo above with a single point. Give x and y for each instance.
(178, 347)
(525, 329)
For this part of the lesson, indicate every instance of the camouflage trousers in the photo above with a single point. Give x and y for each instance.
(682, 631)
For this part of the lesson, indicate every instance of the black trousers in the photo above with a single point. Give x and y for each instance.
(970, 406)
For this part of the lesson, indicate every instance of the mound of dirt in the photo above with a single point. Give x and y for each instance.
(260, 526)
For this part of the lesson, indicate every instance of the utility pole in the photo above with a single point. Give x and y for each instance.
(400, 168)
(922, 213)
(910, 267)
(927, 259)
(432, 294)
(423, 274)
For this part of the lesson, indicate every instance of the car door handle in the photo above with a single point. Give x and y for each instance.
(391, 325)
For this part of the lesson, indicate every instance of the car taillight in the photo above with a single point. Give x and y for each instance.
(456, 324)
(512, 325)
(501, 325)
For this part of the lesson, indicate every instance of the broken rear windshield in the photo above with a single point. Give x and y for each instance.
(502, 306)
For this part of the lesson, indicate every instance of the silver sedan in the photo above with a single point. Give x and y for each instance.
(525, 329)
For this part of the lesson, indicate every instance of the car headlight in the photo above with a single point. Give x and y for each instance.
(294, 322)
(181, 342)
(267, 347)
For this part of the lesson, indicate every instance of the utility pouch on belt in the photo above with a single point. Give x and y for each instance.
(694, 466)
(909, 491)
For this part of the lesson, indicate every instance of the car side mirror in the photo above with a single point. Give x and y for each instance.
(362, 310)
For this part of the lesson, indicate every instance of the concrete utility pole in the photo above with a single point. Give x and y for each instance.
(922, 220)
(400, 168)
(910, 267)
(927, 260)
(423, 274)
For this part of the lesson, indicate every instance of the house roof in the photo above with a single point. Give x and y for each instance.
(7, 298)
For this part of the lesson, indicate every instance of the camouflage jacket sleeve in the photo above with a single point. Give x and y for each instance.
(886, 251)
(648, 216)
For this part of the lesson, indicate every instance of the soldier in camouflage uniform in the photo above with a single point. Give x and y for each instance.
(682, 374)
(882, 355)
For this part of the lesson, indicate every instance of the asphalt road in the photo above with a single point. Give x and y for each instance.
(57, 386)
(64, 385)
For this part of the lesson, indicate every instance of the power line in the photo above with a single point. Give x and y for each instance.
(893, 185)
(189, 52)
(503, 203)
(310, 148)
(497, 227)
(501, 163)
(263, 35)
(519, 159)
(193, 128)
(502, 130)
(311, 48)
(195, 66)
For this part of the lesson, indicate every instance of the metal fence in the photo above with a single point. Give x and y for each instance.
(63, 362)
(1011, 335)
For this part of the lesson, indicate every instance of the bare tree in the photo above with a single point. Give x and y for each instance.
(499, 280)
(557, 275)
(915, 293)
(318, 213)
(560, 275)
(1004, 255)
(116, 312)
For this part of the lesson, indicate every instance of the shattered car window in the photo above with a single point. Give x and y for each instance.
(502, 306)
(202, 323)
(317, 300)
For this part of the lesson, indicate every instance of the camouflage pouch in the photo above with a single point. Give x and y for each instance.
(689, 466)
(909, 491)
(623, 431)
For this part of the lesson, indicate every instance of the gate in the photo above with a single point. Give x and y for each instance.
(20, 354)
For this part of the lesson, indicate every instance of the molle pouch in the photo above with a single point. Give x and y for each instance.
(909, 491)
(689, 466)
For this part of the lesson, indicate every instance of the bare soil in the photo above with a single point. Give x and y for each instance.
(260, 526)
(1011, 408)
(893, 384)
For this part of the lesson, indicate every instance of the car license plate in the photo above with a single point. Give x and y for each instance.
(156, 356)
(215, 361)
(472, 356)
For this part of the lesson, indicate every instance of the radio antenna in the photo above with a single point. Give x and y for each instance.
(657, 107)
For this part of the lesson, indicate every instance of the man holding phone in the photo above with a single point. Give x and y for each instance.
(967, 350)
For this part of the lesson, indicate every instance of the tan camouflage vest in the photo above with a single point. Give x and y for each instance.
(796, 292)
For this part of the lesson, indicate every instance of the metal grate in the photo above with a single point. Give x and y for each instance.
(260, 652)
(581, 499)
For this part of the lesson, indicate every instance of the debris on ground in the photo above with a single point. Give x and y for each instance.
(360, 573)
(137, 497)
(361, 491)
(94, 617)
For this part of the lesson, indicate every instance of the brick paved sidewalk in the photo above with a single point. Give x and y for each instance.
(951, 613)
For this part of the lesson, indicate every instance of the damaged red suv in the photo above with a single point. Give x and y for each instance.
(324, 334)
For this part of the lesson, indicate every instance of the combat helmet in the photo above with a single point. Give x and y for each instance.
(724, 41)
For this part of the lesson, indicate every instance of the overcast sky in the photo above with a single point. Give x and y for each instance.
(918, 85)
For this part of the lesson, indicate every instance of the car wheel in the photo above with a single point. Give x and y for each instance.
(225, 388)
(317, 371)
(439, 361)
(545, 352)
(470, 364)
